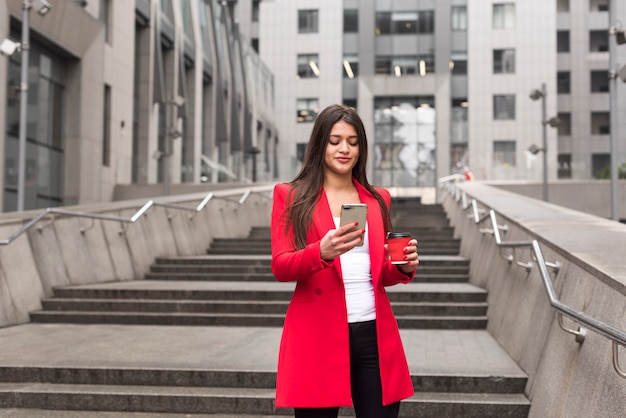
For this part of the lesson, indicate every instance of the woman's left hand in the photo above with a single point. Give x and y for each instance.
(412, 257)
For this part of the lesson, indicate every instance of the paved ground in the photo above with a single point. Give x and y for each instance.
(226, 348)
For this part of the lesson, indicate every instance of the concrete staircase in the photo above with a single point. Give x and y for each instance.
(231, 298)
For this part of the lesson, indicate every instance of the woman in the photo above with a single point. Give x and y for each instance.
(340, 344)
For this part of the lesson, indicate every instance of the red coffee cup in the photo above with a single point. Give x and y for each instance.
(396, 242)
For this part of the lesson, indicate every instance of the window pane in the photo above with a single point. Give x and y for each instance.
(350, 66)
(565, 166)
(308, 66)
(562, 41)
(598, 41)
(504, 107)
(459, 17)
(307, 21)
(600, 123)
(404, 22)
(565, 125)
(563, 82)
(504, 61)
(458, 62)
(599, 82)
(307, 110)
(504, 153)
(504, 16)
(350, 21)
(426, 21)
(383, 23)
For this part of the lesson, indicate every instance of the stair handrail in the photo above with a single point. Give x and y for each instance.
(222, 194)
(615, 335)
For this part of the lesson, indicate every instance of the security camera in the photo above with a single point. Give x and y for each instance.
(8, 47)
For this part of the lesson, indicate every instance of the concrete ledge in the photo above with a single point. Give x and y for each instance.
(63, 250)
(565, 378)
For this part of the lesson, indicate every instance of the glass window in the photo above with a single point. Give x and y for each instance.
(564, 166)
(44, 159)
(599, 81)
(458, 62)
(308, 21)
(350, 103)
(405, 22)
(504, 16)
(255, 10)
(565, 124)
(403, 65)
(600, 123)
(563, 82)
(504, 153)
(562, 41)
(426, 21)
(459, 18)
(106, 127)
(598, 5)
(308, 66)
(300, 151)
(405, 141)
(504, 106)
(599, 163)
(105, 17)
(503, 61)
(562, 6)
(598, 41)
(395, 23)
(350, 21)
(350, 66)
(307, 110)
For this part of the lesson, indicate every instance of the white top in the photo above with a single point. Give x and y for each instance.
(357, 281)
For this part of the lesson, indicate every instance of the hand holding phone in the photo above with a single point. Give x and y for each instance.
(354, 212)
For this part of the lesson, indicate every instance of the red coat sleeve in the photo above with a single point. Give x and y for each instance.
(289, 264)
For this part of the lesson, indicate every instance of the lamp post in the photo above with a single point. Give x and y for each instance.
(43, 7)
(171, 132)
(553, 122)
(536, 95)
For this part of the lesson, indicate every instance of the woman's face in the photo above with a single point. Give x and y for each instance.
(342, 149)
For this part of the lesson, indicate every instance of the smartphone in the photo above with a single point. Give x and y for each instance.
(354, 212)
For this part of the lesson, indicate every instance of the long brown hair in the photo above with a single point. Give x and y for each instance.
(305, 189)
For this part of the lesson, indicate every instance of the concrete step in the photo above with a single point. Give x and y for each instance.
(47, 413)
(229, 371)
(423, 250)
(164, 377)
(256, 261)
(253, 291)
(234, 400)
(422, 276)
(179, 307)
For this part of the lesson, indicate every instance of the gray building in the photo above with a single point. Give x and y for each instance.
(446, 84)
(131, 92)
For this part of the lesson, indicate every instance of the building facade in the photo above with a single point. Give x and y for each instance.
(446, 84)
(132, 92)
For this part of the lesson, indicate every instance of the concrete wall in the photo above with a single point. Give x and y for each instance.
(592, 196)
(65, 250)
(565, 379)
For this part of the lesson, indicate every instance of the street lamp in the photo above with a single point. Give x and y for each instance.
(172, 131)
(552, 122)
(8, 47)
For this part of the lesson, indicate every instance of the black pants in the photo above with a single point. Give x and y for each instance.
(364, 376)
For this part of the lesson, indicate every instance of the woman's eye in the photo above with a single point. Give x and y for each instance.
(333, 142)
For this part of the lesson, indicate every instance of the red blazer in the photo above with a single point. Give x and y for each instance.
(314, 358)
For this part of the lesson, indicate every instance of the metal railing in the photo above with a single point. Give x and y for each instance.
(480, 215)
(222, 194)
